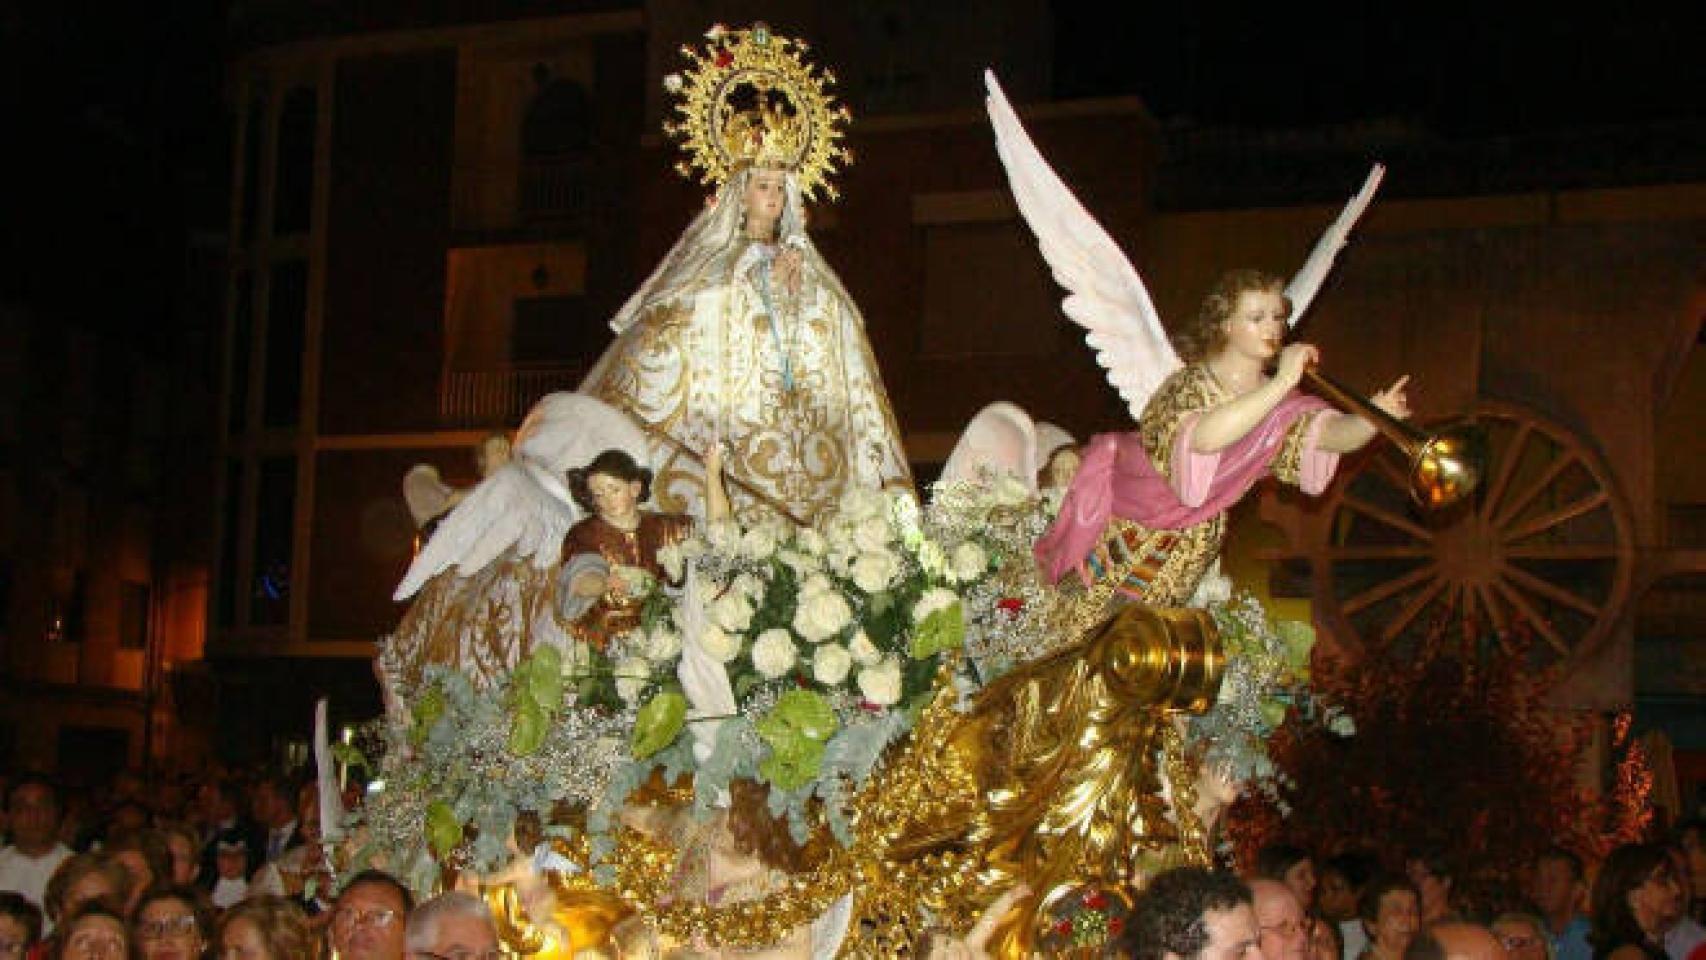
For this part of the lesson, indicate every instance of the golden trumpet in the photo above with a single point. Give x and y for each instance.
(1445, 466)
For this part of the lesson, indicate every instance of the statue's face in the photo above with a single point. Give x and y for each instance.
(1257, 326)
(613, 496)
(765, 192)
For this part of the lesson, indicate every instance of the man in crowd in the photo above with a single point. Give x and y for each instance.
(275, 808)
(369, 916)
(32, 807)
(1558, 889)
(1190, 913)
(1282, 929)
(452, 926)
(1455, 940)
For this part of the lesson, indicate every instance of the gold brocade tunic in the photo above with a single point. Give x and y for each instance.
(617, 612)
(1169, 564)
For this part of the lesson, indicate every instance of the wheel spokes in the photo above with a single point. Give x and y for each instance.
(1551, 591)
(1561, 515)
(1534, 489)
(1387, 517)
(1376, 594)
(1507, 469)
(1561, 551)
(1417, 603)
(1541, 624)
(1371, 552)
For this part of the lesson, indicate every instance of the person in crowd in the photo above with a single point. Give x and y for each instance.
(93, 933)
(230, 865)
(1455, 940)
(1557, 887)
(1341, 883)
(84, 879)
(26, 864)
(264, 928)
(1190, 913)
(1292, 866)
(368, 917)
(185, 849)
(1691, 836)
(144, 855)
(453, 924)
(221, 809)
(1282, 929)
(1686, 935)
(20, 925)
(1432, 876)
(275, 809)
(1391, 914)
(172, 923)
(1524, 936)
(1637, 897)
(302, 871)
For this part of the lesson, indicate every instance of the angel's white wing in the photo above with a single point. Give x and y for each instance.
(426, 493)
(1307, 283)
(1105, 296)
(518, 507)
(1000, 439)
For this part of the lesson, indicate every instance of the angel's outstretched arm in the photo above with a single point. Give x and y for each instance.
(1227, 423)
(1347, 432)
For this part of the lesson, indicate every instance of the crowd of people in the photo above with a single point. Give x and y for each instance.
(230, 867)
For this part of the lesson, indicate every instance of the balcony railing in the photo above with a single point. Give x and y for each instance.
(498, 398)
(555, 189)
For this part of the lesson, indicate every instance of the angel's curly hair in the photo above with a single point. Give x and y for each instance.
(1207, 331)
(611, 463)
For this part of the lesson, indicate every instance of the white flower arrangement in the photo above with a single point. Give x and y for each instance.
(880, 684)
(774, 653)
(830, 664)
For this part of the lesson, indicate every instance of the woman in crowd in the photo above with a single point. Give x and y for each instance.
(20, 926)
(264, 928)
(94, 933)
(1391, 915)
(172, 923)
(87, 878)
(1636, 897)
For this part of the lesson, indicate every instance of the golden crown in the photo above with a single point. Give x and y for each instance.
(750, 99)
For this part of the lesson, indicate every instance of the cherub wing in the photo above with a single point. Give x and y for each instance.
(426, 493)
(518, 506)
(1105, 295)
(1307, 283)
(1001, 439)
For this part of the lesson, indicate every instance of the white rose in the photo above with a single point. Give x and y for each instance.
(863, 650)
(721, 645)
(872, 533)
(932, 558)
(821, 615)
(732, 611)
(662, 644)
(859, 503)
(1010, 491)
(633, 675)
(811, 542)
(759, 542)
(815, 584)
(773, 653)
(880, 684)
(830, 664)
(803, 564)
(875, 571)
(934, 599)
(723, 535)
(838, 534)
(968, 561)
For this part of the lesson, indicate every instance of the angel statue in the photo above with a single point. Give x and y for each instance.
(744, 331)
(484, 587)
(1217, 409)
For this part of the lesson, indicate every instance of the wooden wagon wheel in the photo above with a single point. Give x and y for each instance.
(1543, 547)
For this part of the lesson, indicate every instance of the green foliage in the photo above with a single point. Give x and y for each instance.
(659, 723)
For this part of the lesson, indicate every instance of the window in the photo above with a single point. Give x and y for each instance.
(133, 615)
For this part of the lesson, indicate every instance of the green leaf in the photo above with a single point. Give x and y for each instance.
(545, 677)
(443, 829)
(794, 765)
(658, 724)
(796, 730)
(944, 629)
(527, 734)
(1299, 638)
(428, 708)
(351, 756)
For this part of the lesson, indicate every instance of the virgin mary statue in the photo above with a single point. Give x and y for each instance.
(744, 335)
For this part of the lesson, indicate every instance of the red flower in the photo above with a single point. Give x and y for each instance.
(1064, 927)
(1115, 925)
(724, 58)
(869, 707)
(1096, 900)
(1010, 606)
